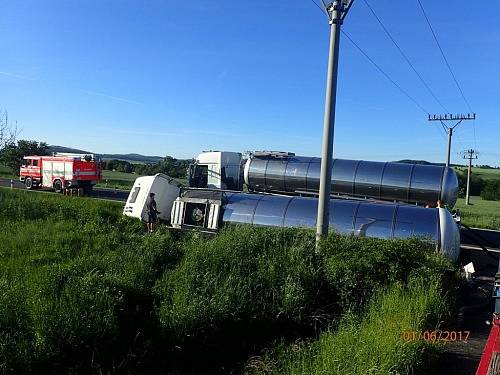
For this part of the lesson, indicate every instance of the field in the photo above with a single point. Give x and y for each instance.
(85, 290)
(485, 174)
(6, 172)
(481, 213)
(117, 180)
(123, 181)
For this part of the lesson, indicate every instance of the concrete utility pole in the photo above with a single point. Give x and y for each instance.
(469, 154)
(449, 130)
(336, 13)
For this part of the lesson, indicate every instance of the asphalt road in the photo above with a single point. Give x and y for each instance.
(100, 193)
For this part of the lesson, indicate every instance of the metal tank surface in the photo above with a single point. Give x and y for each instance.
(370, 219)
(398, 182)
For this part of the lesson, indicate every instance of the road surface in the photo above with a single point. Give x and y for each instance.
(101, 193)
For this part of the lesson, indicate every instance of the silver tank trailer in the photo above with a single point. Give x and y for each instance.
(398, 182)
(364, 218)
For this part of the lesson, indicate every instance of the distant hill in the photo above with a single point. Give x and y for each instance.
(67, 150)
(132, 158)
(425, 162)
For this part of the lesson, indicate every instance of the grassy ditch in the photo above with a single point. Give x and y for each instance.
(372, 342)
(85, 290)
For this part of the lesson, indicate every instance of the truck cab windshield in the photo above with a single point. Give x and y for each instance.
(198, 176)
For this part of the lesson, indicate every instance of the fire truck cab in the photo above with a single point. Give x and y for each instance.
(61, 171)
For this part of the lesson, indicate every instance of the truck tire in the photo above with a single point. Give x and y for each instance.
(58, 186)
(28, 182)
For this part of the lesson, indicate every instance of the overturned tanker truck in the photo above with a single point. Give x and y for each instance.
(209, 209)
(285, 173)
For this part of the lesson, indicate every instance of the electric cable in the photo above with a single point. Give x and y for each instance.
(405, 57)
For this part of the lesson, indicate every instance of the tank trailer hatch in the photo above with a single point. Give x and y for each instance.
(197, 209)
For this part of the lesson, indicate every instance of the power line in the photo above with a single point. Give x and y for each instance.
(404, 55)
(378, 67)
(449, 68)
(474, 128)
(321, 9)
(444, 56)
(384, 73)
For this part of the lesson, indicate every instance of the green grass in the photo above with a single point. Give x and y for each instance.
(372, 342)
(486, 174)
(6, 172)
(117, 180)
(114, 175)
(123, 181)
(481, 213)
(84, 289)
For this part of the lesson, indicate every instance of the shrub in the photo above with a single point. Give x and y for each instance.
(476, 184)
(356, 267)
(491, 191)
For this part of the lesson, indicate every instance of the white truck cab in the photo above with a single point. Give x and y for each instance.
(166, 190)
(217, 170)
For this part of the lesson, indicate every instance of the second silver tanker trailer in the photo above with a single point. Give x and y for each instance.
(285, 173)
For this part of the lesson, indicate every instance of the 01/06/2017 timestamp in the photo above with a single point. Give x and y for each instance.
(438, 335)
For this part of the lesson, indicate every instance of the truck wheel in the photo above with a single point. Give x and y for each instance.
(28, 182)
(58, 186)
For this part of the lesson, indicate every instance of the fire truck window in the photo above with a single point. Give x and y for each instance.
(25, 163)
(35, 163)
(135, 193)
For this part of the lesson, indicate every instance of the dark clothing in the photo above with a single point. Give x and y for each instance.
(151, 205)
(152, 210)
(152, 217)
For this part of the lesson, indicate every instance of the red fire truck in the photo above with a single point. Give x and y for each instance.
(61, 171)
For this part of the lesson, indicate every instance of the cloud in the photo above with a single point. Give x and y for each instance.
(112, 97)
(17, 76)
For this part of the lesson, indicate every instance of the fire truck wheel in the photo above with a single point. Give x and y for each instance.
(28, 182)
(58, 186)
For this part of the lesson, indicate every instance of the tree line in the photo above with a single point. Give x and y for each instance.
(170, 166)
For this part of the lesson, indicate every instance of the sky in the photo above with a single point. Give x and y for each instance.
(177, 77)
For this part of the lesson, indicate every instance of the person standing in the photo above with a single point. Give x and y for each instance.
(152, 213)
